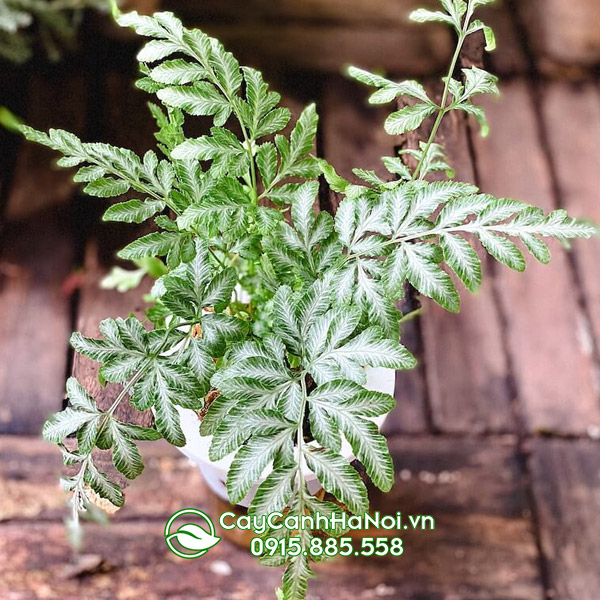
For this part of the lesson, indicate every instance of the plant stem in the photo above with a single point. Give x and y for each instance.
(443, 109)
(138, 375)
(413, 314)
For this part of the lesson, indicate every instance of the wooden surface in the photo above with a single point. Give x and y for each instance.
(491, 435)
(564, 33)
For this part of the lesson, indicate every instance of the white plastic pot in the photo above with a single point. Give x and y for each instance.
(215, 473)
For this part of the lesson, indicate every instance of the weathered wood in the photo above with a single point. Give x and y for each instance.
(319, 35)
(563, 32)
(481, 546)
(353, 136)
(37, 256)
(330, 48)
(552, 366)
(567, 493)
(36, 561)
(35, 322)
(392, 15)
(509, 58)
(465, 361)
(29, 489)
(37, 183)
(572, 121)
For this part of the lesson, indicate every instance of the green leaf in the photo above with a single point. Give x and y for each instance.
(240, 425)
(478, 81)
(408, 118)
(370, 449)
(166, 416)
(423, 272)
(178, 72)
(125, 454)
(133, 211)
(226, 69)
(274, 492)
(153, 244)
(105, 488)
(266, 160)
(64, 423)
(200, 99)
(251, 461)
(78, 396)
(106, 188)
(295, 578)
(502, 249)
(337, 477)
(462, 259)
(427, 16)
(218, 292)
(488, 33)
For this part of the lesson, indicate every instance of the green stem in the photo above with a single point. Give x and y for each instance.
(413, 314)
(443, 109)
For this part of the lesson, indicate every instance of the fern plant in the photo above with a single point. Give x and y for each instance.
(277, 372)
(55, 22)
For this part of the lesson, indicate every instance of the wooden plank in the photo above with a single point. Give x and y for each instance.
(553, 368)
(353, 136)
(481, 547)
(37, 255)
(326, 36)
(465, 361)
(566, 486)
(35, 323)
(36, 562)
(376, 12)
(564, 34)
(329, 48)
(29, 490)
(509, 58)
(576, 162)
(37, 184)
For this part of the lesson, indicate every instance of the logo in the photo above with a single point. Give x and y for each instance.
(198, 540)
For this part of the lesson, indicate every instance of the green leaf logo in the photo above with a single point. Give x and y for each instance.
(191, 536)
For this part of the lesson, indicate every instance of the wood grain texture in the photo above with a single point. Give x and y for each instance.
(330, 48)
(481, 547)
(37, 255)
(465, 360)
(385, 13)
(563, 32)
(566, 485)
(37, 183)
(353, 136)
(575, 150)
(35, 322)
(29, 489)
(509, 58)
(552, 364)
(325, 36)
